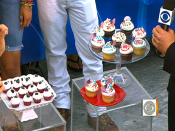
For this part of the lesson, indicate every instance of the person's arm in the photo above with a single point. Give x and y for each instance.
(164, 41)
(3, 33)
(25, 13)
(2, 87)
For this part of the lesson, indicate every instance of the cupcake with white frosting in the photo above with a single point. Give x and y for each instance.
(7, 85)
(27, 81)
(91, 88)
(126, 52)
(15, 101)
(27, 100)
(139, 33)
(47, 94)
(108, 51)
(32, 89)
(139, 46)
(11, 93)
(37, 97)
(97, 44)
(22, 91)
(109, 27)
(98, 30)
(119, 38)
(108, 93)
(127, 26)
(41, 86)
(107, 79)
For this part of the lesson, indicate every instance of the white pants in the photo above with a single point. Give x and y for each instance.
(53, 15)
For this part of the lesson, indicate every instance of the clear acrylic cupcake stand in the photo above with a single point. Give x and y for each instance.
(120, 78)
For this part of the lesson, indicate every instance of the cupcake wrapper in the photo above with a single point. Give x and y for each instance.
(96, 49)
(126, 57)
(127, 33)
(109, 34)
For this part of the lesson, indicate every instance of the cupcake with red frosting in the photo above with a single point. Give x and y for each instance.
(27, 100)
(109, 27)
(15, 101)
(37, 97)
(108, 93)
(127, 26)
(126, 52)
(91, 88)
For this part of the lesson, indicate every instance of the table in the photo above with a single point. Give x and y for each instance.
(127, 114)
(48, 117)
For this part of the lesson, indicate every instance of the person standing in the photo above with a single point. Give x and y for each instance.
(16, 15)
(53, 15)
(164, 41)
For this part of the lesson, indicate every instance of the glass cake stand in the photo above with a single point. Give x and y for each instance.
(120, 78)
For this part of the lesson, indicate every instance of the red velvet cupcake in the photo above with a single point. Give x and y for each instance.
(15, 101)
(7, 85)
(32, 89)
(22, 91)
(37, 97)
(11, 93)
(47, 94)
(27, 99)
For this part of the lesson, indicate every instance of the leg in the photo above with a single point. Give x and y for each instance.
(53, 19)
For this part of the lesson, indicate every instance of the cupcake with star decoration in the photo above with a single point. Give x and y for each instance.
(108, 93)
(109, 27)
(107, 79)
(91, 88)
(97, 43)
(109, 51)
(127, 26)
(139, 46)
(126, 52)
(98, 30)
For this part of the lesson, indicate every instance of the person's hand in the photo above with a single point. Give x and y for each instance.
(3, 30)
(162, 39)
(2, 87)
(25, 16)
(3, 33)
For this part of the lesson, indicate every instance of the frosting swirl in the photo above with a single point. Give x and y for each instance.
(108, 90)
(91, 85)
(139, 43)
(108, 25)
(139, 33)
(98, 41)
(126, 48)
(127, 24)
(119, 37)
(99, 31)
(108, 48)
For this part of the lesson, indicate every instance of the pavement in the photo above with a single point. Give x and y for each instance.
(147, 71)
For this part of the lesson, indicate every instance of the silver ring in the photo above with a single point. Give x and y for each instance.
(20, 16)
(21, 23)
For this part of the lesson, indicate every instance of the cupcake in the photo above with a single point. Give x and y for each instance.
(108, 51)
(139, 46)
(27, 81)
(31, 89)
(118, 37)
(97, 44)
(27, 100)
(11, 93)
(15, 101)
(37, 97)
(36, 79)
(7, 85)
(126, 52)
(107, 80)
(98, 30)
(47, 94)
(91, 88)
(139, 33)
(17, 84)
(108, 93)
(22, 91)
(127, 26)
(109, 27)
(41, 86)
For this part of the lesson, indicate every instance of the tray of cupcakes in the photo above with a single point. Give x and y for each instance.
(27, 92)
(129, 42)
(103, 92)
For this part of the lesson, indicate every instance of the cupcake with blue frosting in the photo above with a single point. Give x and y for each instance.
(139, 46)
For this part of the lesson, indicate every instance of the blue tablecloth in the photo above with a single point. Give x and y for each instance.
(144, 13)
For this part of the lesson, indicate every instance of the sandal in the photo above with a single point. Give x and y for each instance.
(77, 62)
